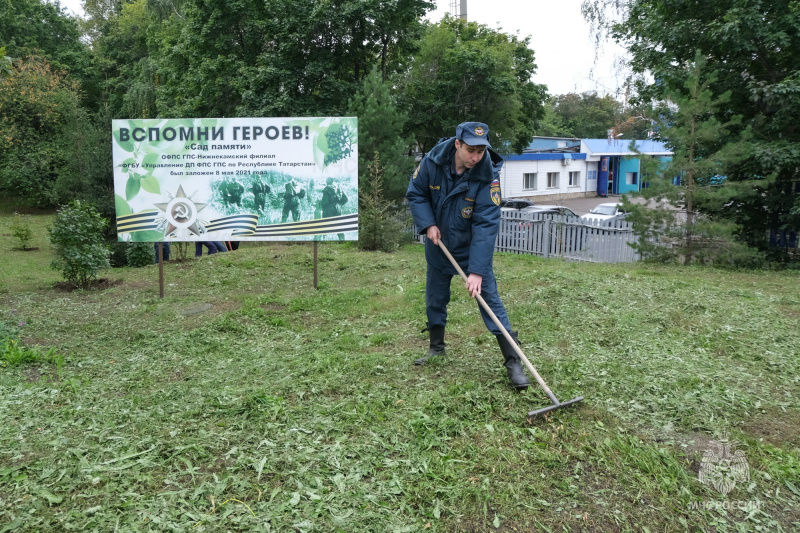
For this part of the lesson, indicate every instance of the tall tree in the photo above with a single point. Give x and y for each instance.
(467, 71)
(380, 132)
(44, 29)
(38, 114)
(587, 115)
(755, 49)
(280, 57)
(703, 149)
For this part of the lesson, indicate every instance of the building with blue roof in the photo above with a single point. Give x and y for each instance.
(556, 168)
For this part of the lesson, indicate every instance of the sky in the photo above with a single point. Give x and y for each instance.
(560, 38)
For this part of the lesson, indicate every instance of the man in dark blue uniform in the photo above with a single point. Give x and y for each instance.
(454, 196)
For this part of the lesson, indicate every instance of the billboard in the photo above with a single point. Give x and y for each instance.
(222, 179)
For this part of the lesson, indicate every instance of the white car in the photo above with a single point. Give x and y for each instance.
(603, 212)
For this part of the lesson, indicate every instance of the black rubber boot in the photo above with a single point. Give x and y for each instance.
(437, 344)
(512, 362)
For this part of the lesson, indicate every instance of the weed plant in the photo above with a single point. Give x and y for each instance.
(20, 227)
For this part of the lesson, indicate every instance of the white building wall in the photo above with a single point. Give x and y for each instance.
(512, 178)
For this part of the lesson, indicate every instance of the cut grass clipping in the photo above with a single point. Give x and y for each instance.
(247, 401)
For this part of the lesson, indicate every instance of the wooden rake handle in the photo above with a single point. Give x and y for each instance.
(502, 328)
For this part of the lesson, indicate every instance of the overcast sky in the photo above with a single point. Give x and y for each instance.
(561, 39)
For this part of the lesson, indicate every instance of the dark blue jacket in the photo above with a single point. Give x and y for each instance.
(467, 212)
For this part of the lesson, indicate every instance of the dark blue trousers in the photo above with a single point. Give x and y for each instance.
(437, 296)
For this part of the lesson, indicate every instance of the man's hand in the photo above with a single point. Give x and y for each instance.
(434, 234)
(474, 284)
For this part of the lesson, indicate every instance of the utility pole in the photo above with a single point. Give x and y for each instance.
(458, 8)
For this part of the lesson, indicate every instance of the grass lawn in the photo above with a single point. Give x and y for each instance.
(247, 401)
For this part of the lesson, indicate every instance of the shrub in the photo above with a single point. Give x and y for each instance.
(140, 254)
(21, 230)
(380, 224)
(38, 112)
(180, 251)
(77, 235)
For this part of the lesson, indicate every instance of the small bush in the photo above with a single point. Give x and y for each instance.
(21, 230)
(381, 226)
(140, 254)
(180, 251)
(119, 252)
(77, 235)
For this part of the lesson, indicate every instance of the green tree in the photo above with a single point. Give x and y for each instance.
(52, 150)
(551, 124)
(44, 29)
(587, 115)
(279, 57)
(380, 131)
(381, 225)
(38, 112)
(669, 226)
(467, 71)
(755, 49)
(126, 58)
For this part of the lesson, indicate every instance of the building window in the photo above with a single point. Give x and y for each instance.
(631, 178)
(592, 175)
(529, 181)
(552, 180)
(574, 179)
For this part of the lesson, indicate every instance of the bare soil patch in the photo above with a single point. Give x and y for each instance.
(776, 426)
(95, 285)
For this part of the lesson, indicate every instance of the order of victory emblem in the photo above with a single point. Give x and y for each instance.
(723, 466)
(180, 213)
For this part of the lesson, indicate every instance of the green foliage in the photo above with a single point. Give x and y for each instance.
(12, 351)
(38, 113)
(380, 131)
(181, 251)
(20, 227)
(77, 235)
(281, 58)
(467, 71)
(587, 115)
(668, 225)
(140, 254)
(380, 223)
(53, 150)
(38, 28)
(754, 48)
(5, 63)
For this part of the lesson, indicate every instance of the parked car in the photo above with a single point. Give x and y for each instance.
(551, 209)
(605, 213)
(512, 204)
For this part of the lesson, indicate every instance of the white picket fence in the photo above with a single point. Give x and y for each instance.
(570, 238)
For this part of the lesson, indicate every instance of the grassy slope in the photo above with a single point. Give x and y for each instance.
(282, 408)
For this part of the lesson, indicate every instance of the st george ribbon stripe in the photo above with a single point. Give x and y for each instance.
(137, 222)
(246, 223)
(339, 224)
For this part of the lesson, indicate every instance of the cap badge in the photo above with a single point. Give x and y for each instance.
(479, 131)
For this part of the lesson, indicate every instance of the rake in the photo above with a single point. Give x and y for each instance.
(510, 339)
